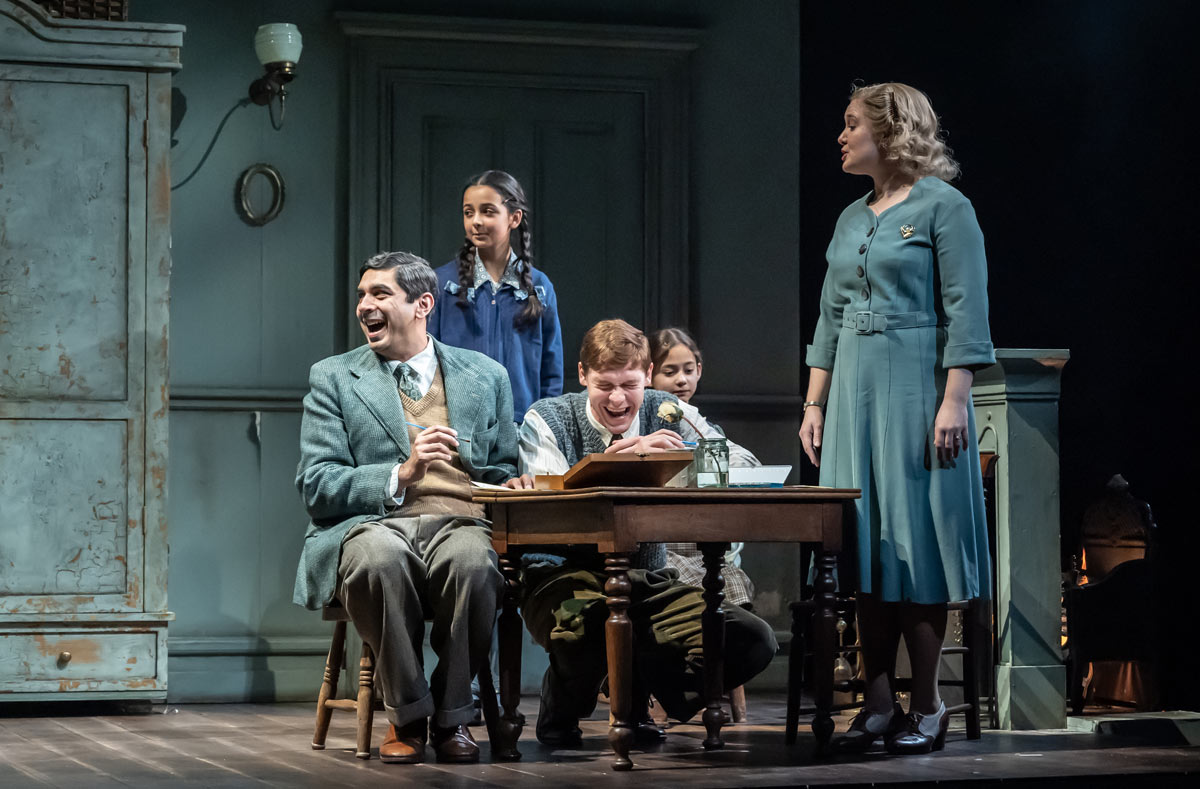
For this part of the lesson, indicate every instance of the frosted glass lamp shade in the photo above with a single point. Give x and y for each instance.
(278, 43)
(278, 49)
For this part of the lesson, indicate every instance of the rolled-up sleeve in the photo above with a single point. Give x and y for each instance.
(962, 267)
(538, 448)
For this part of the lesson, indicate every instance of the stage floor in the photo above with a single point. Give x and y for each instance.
(235, 745)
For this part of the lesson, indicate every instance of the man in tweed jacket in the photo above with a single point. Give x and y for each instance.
(563, 603)
(394, 535)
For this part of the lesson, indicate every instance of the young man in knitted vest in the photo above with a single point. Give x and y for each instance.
(393, 434)
(563, 604)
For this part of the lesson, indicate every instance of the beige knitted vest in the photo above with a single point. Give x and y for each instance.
(445, 489)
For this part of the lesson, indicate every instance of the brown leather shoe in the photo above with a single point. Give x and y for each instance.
(405, 745)
(455, 745)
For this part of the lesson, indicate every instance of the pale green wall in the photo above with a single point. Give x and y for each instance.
(252, 308)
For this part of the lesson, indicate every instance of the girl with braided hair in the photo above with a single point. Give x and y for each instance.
(490, 297)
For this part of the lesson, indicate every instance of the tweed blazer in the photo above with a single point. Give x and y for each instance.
(353, 434)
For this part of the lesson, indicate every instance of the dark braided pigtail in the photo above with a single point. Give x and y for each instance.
(513, 196)
(533, 305)
(466, 271)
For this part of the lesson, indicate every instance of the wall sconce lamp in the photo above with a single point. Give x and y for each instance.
(278, 48)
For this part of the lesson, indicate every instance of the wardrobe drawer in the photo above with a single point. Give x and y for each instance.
(82, 656)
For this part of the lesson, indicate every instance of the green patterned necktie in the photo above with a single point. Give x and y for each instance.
(406, 377)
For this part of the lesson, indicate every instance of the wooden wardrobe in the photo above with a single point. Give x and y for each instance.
(84, 270)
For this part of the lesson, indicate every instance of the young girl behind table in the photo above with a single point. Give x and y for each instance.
(491, 299)
(677, 369)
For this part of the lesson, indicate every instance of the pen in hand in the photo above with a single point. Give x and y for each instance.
(422, 427)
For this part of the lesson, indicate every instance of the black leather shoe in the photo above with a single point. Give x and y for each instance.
(648, 732)
(559, 734)
(921, 733)
(454, 745)
(556, 726)
(866, 728)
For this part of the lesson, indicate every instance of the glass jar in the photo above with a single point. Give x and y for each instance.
(711, 463)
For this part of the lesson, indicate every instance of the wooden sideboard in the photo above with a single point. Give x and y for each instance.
(84, 270)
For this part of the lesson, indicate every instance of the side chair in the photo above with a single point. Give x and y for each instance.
(364, 704)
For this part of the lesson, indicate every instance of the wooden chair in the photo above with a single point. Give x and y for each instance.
(976, 643)
(1115, 615)
(364, 705)
(737, 704)
(1113, 619)
(327, 701)
(977, 648)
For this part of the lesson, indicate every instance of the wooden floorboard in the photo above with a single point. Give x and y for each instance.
(267, 745)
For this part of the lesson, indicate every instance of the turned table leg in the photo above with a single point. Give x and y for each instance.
(511, 721)
(824, 640)
(713, 626)
(618, 632)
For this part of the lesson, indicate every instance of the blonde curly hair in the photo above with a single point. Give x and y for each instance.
(906, 129)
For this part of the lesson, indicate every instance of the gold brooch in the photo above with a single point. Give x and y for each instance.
(906, 231)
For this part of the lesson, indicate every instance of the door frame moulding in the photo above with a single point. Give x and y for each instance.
(511, 31)
(652, 62)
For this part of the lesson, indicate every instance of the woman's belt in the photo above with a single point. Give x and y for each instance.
(867, 322)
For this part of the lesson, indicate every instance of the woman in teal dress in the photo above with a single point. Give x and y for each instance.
(902, 328)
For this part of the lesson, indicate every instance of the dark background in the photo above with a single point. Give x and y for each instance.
(1074, 125)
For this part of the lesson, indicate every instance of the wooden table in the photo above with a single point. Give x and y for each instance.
(615, 520)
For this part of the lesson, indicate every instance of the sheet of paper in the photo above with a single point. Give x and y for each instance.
(758, 476)
(487, 486)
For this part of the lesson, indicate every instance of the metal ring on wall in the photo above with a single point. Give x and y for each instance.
(241, 196)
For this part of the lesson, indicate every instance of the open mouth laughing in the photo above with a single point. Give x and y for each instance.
(616, 416)
(375, 326)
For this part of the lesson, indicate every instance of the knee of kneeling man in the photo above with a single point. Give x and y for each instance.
(767, 634)
(757, 634)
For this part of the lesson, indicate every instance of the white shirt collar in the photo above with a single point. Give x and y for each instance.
(424, 364)
(635, 429)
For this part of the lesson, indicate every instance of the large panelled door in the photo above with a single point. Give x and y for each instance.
(579, 156)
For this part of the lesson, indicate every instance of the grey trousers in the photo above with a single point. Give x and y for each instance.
(395, 573)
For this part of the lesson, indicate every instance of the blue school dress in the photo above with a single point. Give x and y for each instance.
(904, 299)
(532, 354)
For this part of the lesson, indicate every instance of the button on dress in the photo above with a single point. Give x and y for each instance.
(889, 338)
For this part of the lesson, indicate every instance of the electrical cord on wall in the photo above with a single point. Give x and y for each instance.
(204, 158)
